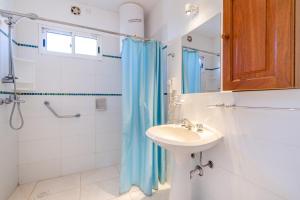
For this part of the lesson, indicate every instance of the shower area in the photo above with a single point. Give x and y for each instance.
(61, 99)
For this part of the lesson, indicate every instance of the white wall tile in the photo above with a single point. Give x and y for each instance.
(8, 138)
(78, 66)
(105, 84)
(27, 37)
(111, 45)
(8, 160)
(78, 144)
(109, 158)
(78, 163)
(114, 104)
(270, 165)
(39, 150)
(85, 105)
(108, 142)
(251, 191)
(39, 171)
(258, 157)
(79, 83)
(109, 76)
(26, 53)
(108, 65)
(108, 122)
(48, 74)
(39, 129)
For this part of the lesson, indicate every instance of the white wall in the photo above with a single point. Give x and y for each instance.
(156, 23)
(167, 20)
(60, 10)
(6, 4)
(8, 138)
(259, 157)
(51, 147)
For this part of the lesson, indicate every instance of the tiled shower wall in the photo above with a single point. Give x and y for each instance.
(51, 147)
(8, 138)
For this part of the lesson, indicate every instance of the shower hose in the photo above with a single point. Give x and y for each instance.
(15, 100)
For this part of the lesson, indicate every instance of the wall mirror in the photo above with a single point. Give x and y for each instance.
(201, 60)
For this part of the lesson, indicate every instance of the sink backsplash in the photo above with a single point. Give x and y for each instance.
(246, 163)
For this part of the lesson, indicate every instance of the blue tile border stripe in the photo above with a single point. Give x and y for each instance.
(5, 34)
(26, 45)
(36, 46)
(110, 56)
(19, 44)
(60, 94)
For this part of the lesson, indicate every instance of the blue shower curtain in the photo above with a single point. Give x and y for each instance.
(191, 72)
(143, 162)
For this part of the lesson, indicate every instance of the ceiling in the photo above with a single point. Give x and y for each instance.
(114, 5)
(211, 28)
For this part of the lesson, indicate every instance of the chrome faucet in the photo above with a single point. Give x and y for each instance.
(189, 125)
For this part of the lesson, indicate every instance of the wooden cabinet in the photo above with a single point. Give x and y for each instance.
(258, 44)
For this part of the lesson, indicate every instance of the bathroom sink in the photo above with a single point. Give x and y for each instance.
(176, 138)
(181, 142)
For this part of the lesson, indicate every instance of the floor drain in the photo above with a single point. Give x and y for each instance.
(42, 195)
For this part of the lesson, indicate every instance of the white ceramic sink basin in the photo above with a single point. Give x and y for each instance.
(181, 142)
(176, 138)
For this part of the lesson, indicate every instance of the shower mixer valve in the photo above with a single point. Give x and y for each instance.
(7, 100)
(11, 99)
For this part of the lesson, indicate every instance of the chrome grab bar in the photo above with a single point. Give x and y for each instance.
(47, 104)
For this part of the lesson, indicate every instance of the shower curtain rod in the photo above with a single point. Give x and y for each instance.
(203, 51)
(7, 13)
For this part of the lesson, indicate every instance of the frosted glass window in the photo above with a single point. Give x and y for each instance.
(59, 43)
(69, 43)
(86, 46)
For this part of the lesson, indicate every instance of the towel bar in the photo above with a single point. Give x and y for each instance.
(253, 107)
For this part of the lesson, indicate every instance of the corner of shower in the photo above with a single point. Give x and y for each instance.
(13, 98)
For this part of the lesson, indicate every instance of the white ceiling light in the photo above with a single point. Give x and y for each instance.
(191, 9)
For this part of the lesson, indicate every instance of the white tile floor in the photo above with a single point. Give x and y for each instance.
(101, 184)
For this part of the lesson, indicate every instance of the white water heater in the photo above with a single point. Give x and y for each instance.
(132, 20)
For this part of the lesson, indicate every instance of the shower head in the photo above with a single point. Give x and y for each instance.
(13, 19)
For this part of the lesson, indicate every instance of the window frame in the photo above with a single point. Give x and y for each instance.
(43, 30)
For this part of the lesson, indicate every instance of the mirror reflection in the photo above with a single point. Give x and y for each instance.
(201, 62)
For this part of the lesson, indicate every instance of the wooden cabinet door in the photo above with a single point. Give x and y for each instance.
(258, 44)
